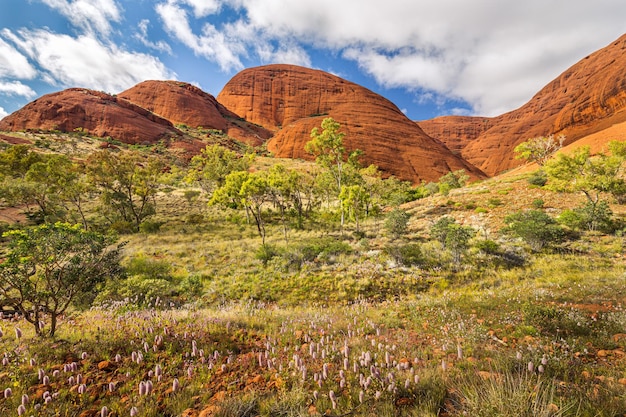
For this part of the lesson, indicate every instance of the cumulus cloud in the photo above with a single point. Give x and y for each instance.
(211, 43)
(16, 88)
(92, 16)
(3, 113)
(87, 62)
(13, 63)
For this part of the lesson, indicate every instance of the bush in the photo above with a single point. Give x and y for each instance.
(148, 226)
(535, 228)
(266, 252)
(538, 178)
(397, 222)
(409, 254)
(592, 217)
(537, 203)
(192, 286)
(145, 267)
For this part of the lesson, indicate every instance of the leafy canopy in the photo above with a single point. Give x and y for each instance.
(49, 267)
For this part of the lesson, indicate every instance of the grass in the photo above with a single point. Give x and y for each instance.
(390, 326)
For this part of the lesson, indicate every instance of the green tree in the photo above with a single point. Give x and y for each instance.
(453, 179)
(453, 237)
(17, 160)
(211, 167)
(245, 190)
(593, 176)
(397, 222)
(331, 155)
(48, 267)
(354, 200)
(539, 149)
(59, 188)
(534, 227)
(127, 183)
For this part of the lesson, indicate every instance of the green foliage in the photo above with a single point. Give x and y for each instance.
(354, 199)
(405, 254)
(535, 227)
(50, 266)
(397, 222)
(210, 168)
(537, 203)
(17, 160)
(592, 217)
(266, 253)
(439, 231)
(589, 175)
(143, 266)
(539, 149)
(331, 155)
(127, 184)
(192, 286)
(453, 179)
(538, 178)
(452, 236)
(148, 226)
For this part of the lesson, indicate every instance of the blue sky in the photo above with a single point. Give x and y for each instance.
(430, 57)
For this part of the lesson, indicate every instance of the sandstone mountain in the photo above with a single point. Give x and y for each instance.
(94, 112)
(183, 103)
(292, 100)
(585, 99)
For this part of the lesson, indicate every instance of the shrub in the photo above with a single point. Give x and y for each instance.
(266, 252)
(145, 267)
(538, 178)
(148, 226)
(409, 254)
(535, 228)
(396, 222)
(537, 203)
(592, 217)
(192, 286)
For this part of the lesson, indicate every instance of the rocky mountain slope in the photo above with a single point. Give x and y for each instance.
(292, 100)
(585, 99)
(183, 103)
(97, 113)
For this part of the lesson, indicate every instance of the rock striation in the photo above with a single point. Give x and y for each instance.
(587, 98)
(184, 103)
(292, 100)
(97, 113)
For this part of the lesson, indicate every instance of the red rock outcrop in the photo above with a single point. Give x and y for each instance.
(293, 100)
(97, 113)
(587, 98)
(183, 103)
(456, 132)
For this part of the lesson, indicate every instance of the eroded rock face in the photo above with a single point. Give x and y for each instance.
(97, 113)
(456, 132)
(183, 103)
(587, 98)
(292, 100)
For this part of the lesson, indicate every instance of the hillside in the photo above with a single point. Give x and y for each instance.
(585, 99)
(292, 100)
(183, 103)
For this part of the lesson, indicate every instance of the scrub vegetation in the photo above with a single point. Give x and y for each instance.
(136, 283)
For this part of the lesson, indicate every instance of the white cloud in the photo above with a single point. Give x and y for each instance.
(13, 63)
(210, 44)
(93, 16)
(142, 36)
(16, 88)
(86, 62)
(3, 113)
(202, 8)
